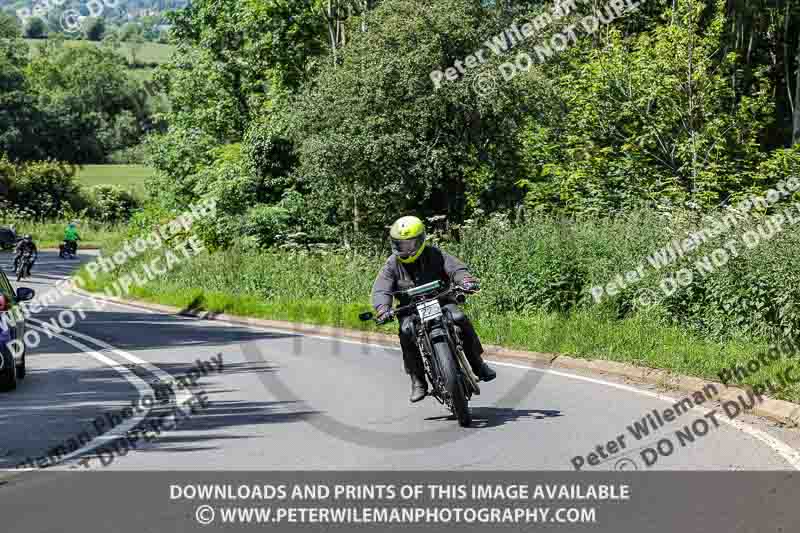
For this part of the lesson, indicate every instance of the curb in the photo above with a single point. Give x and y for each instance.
(777, 410)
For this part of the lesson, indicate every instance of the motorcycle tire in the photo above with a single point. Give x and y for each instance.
(20, 271)
(452, 381)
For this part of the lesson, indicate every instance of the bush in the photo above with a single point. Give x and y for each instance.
(47, 188)
(111, 203)
(267, 223)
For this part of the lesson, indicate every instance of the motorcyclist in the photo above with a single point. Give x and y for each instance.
(24, 245)
(413, 263)
(71, 238)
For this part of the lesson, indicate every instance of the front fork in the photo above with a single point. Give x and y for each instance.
(466, 367)
(454, 339)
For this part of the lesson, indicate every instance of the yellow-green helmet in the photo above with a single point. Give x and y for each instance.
(408, 239)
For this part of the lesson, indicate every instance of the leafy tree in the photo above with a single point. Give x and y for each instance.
(653, 119)
(376, 132)
(19, 116)
(88, 95)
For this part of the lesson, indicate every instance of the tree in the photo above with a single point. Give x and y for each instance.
(35, 28)
(94, 28)
(19, 114)
(375, 133)
(92, 104)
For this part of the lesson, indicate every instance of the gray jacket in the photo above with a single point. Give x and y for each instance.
(433, 264)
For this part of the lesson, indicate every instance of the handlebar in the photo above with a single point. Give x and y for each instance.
(460, 296)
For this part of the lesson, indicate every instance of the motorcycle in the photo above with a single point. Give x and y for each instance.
(441, 344)
(68, 250)
(24, 266)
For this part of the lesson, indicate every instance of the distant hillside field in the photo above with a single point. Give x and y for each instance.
(147, 53)
(130, 177)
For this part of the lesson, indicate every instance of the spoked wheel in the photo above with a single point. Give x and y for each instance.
(453, 383)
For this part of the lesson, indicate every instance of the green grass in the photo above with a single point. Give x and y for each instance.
(147, 53)
(130, 177)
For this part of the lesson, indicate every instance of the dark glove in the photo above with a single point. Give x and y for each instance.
(384, 313)
(470, 284)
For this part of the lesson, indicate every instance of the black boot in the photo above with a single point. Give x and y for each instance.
(485, 372)
(419, 388)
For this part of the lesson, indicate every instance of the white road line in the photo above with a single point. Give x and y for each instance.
(181, 396)
(786, 452)
(789, 454)
(119, 431)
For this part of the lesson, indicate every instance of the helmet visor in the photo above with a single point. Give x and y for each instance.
(407, 247)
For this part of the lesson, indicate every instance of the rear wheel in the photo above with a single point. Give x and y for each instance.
(453, 382)
(8, 373)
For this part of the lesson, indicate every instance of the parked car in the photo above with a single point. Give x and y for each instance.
(8, 238)
(12, 361)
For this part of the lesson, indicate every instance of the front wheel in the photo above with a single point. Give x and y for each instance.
(453, 383)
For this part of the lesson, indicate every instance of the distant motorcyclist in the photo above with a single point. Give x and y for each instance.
(25, 245)
(414, 263)
(71, 238)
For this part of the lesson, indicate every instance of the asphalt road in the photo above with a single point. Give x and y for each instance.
(290, 402)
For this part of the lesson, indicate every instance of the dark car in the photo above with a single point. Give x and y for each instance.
(12, 361)
(8, 238)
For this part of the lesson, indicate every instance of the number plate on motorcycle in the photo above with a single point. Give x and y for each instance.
(429, 310)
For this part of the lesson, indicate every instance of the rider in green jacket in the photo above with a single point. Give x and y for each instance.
(71, 238)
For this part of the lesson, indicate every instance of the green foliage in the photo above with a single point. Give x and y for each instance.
(69, 103)
(336, 103)
(375, 127)
(9, 26)
(111, 203)
(178, 156)
(44, 187)
(267, 224)
(651, 118)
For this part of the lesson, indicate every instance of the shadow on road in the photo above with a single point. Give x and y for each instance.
(490, 417)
